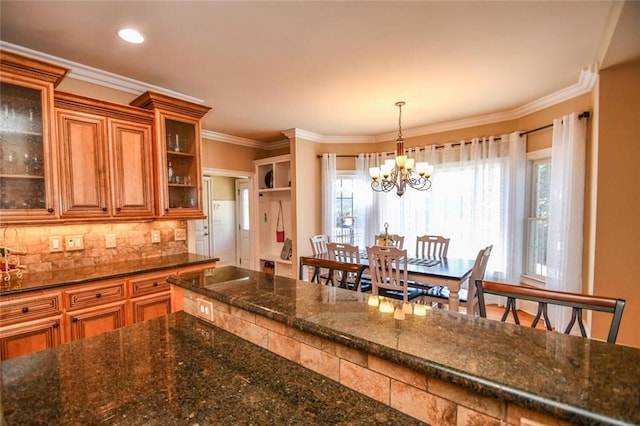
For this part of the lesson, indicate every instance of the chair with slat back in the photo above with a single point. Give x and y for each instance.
(432, 245)
(576, 301)
(346, 253)
(388, 269)
(468, 297)
(398, 240)
(319, 246)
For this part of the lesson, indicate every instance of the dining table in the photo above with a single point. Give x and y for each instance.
(423, 272)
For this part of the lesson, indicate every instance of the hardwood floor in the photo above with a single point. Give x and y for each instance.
(495, 312)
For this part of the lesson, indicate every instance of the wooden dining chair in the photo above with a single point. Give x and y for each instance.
(345, 253)
(388, 270)
(467, 296)
(398, 240)
(432, 246)
(576, 301)
(319, 246)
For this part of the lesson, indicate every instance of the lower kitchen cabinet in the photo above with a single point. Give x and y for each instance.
(93, 321)
(149, 307)
(38, 320)
(30, 323)
(32, 336)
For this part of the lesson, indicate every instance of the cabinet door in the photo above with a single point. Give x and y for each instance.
(83, 164)
(97, 320)
(132, 169)
(149, 307)
(26, 171)
(28, 337)
(181, 180)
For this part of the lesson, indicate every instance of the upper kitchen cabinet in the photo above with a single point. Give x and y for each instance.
(178, 155)
(105, 158)
(27, 171)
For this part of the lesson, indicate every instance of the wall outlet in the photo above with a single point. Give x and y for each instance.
(55, 244)
(74, 242)
(180, 234)
(205, 309)
(155, 236)
(110, 241)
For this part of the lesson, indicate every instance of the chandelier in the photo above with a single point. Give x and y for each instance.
(402, 171)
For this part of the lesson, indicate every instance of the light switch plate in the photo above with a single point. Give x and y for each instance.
(110, 241)
(55, 244)
(180, 234)
(155, 236)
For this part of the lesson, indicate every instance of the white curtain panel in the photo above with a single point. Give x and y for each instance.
(476, 199)
(566, 208)
(328, 194)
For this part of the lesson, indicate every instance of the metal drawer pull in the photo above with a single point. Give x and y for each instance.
(98, 295)
(25, 309)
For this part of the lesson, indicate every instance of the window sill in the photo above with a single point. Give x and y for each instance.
(533, 281)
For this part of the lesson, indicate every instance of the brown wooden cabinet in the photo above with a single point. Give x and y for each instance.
(95, 308)
(28, 179)
(30, 323)
(38, 320)
(150, 296)
(93, 321)
(178, 155)
(25, 338)
(105, 158)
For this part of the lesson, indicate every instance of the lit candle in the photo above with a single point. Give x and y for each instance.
(373, 300)
(419, 310)
(386, 307)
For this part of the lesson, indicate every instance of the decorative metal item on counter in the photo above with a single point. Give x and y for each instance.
(9, 259)
(385, 239)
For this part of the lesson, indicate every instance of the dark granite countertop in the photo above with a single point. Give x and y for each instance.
(580, 380)
(58, 278)
(176, 370)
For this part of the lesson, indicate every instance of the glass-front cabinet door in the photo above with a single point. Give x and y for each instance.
(182, 165)
(178, 159)
(26, 167)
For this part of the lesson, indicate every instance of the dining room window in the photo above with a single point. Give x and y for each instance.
(345, 230)
(536, 232)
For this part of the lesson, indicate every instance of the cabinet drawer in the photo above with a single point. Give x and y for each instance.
(17, 309)
(94, 295)
(150, 284)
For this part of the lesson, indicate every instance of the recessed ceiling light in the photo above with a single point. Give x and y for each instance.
(132, 36)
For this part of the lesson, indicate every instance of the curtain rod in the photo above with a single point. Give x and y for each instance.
(585, 114)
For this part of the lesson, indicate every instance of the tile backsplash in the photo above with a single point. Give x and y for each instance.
(132, 241)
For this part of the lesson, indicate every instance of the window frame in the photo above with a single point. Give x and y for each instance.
(532, 158)
(341, 174)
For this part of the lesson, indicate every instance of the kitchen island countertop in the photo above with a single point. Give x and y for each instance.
(176, 370)
(582, 381)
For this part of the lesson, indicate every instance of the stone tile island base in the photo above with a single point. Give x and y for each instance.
(427, 399)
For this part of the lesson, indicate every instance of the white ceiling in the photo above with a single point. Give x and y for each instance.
(329, 67)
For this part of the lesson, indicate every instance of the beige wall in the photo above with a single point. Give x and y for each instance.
(223, 188)
(226, 156)
(617, 230)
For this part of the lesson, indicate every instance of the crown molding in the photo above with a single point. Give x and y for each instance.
(97, 76)
(236, 140)
(586, 83)
(587, 80)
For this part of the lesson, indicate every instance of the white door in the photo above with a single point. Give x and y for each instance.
(202, 231)
(244, 220)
